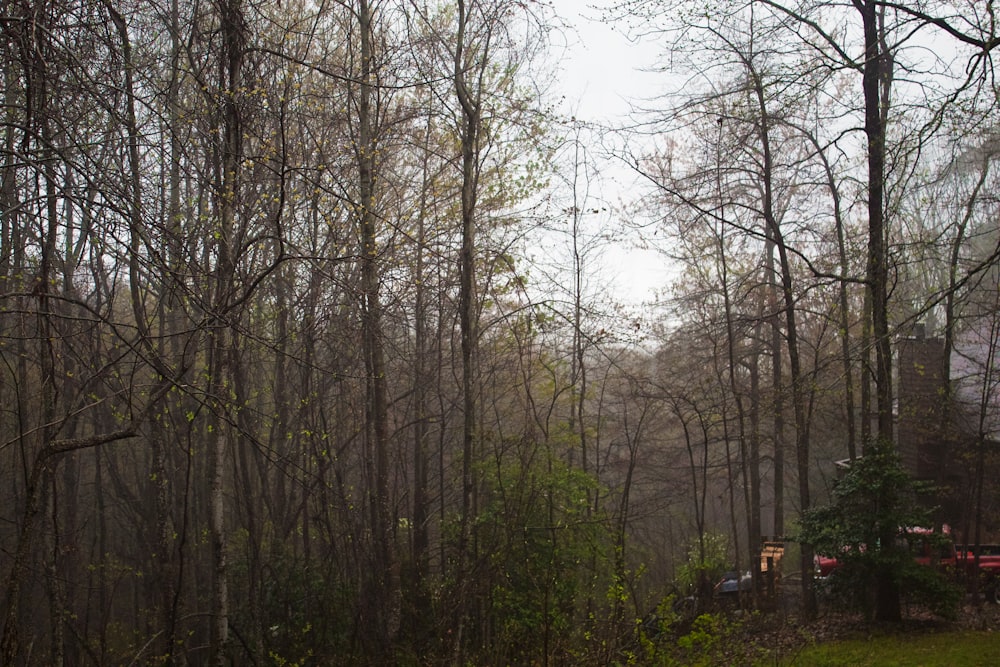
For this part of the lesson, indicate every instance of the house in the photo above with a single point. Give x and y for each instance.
(946, 430)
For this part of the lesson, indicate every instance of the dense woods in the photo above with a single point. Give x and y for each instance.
(307, 357)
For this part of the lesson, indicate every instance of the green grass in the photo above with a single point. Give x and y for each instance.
(944, 649)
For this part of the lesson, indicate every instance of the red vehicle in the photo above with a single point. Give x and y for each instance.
(961, 560)
(987, 567)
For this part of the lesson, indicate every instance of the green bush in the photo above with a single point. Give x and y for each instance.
(708, 639)
(708, 559)
(870, 529)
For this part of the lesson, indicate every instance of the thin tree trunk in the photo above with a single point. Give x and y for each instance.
(382, 603)
(844, 304)
(798, 385)
(421, 506)
(777, 387)
(162, 576)
(232, 24)
(470, 128)
(733, 362)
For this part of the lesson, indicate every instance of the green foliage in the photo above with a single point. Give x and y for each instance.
(708, 639)
(706, 631)
(869, 528)
(707, 560)
(540, 539)
(929, 587)
(303, 611)
(651, 630)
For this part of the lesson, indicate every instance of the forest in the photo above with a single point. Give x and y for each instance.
(310, 356)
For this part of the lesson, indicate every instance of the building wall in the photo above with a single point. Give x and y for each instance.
(938, 443)
(920, 428)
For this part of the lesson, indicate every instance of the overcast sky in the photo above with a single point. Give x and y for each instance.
(602, 65)
(601, 77)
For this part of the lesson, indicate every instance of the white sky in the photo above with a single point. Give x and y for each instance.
(601, 76)
(601, 65)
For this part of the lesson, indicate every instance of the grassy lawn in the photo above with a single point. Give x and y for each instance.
(945, 649)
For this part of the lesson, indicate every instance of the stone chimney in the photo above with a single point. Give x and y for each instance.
(922, 391)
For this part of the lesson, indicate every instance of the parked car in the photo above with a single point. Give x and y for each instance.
(733, 583)
(959, 560)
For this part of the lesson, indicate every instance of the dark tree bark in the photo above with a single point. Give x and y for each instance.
(469, 100)
(775, 234)
(875, 82)
(419, 621)
(876, 74)
(220, 334)
(382, 604)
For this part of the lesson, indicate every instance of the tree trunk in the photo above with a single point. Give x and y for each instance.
(420, 529)
(777, 387)
(382, 603)
(468, 317)
(875, 85)
(233, 27)
(802, 446)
